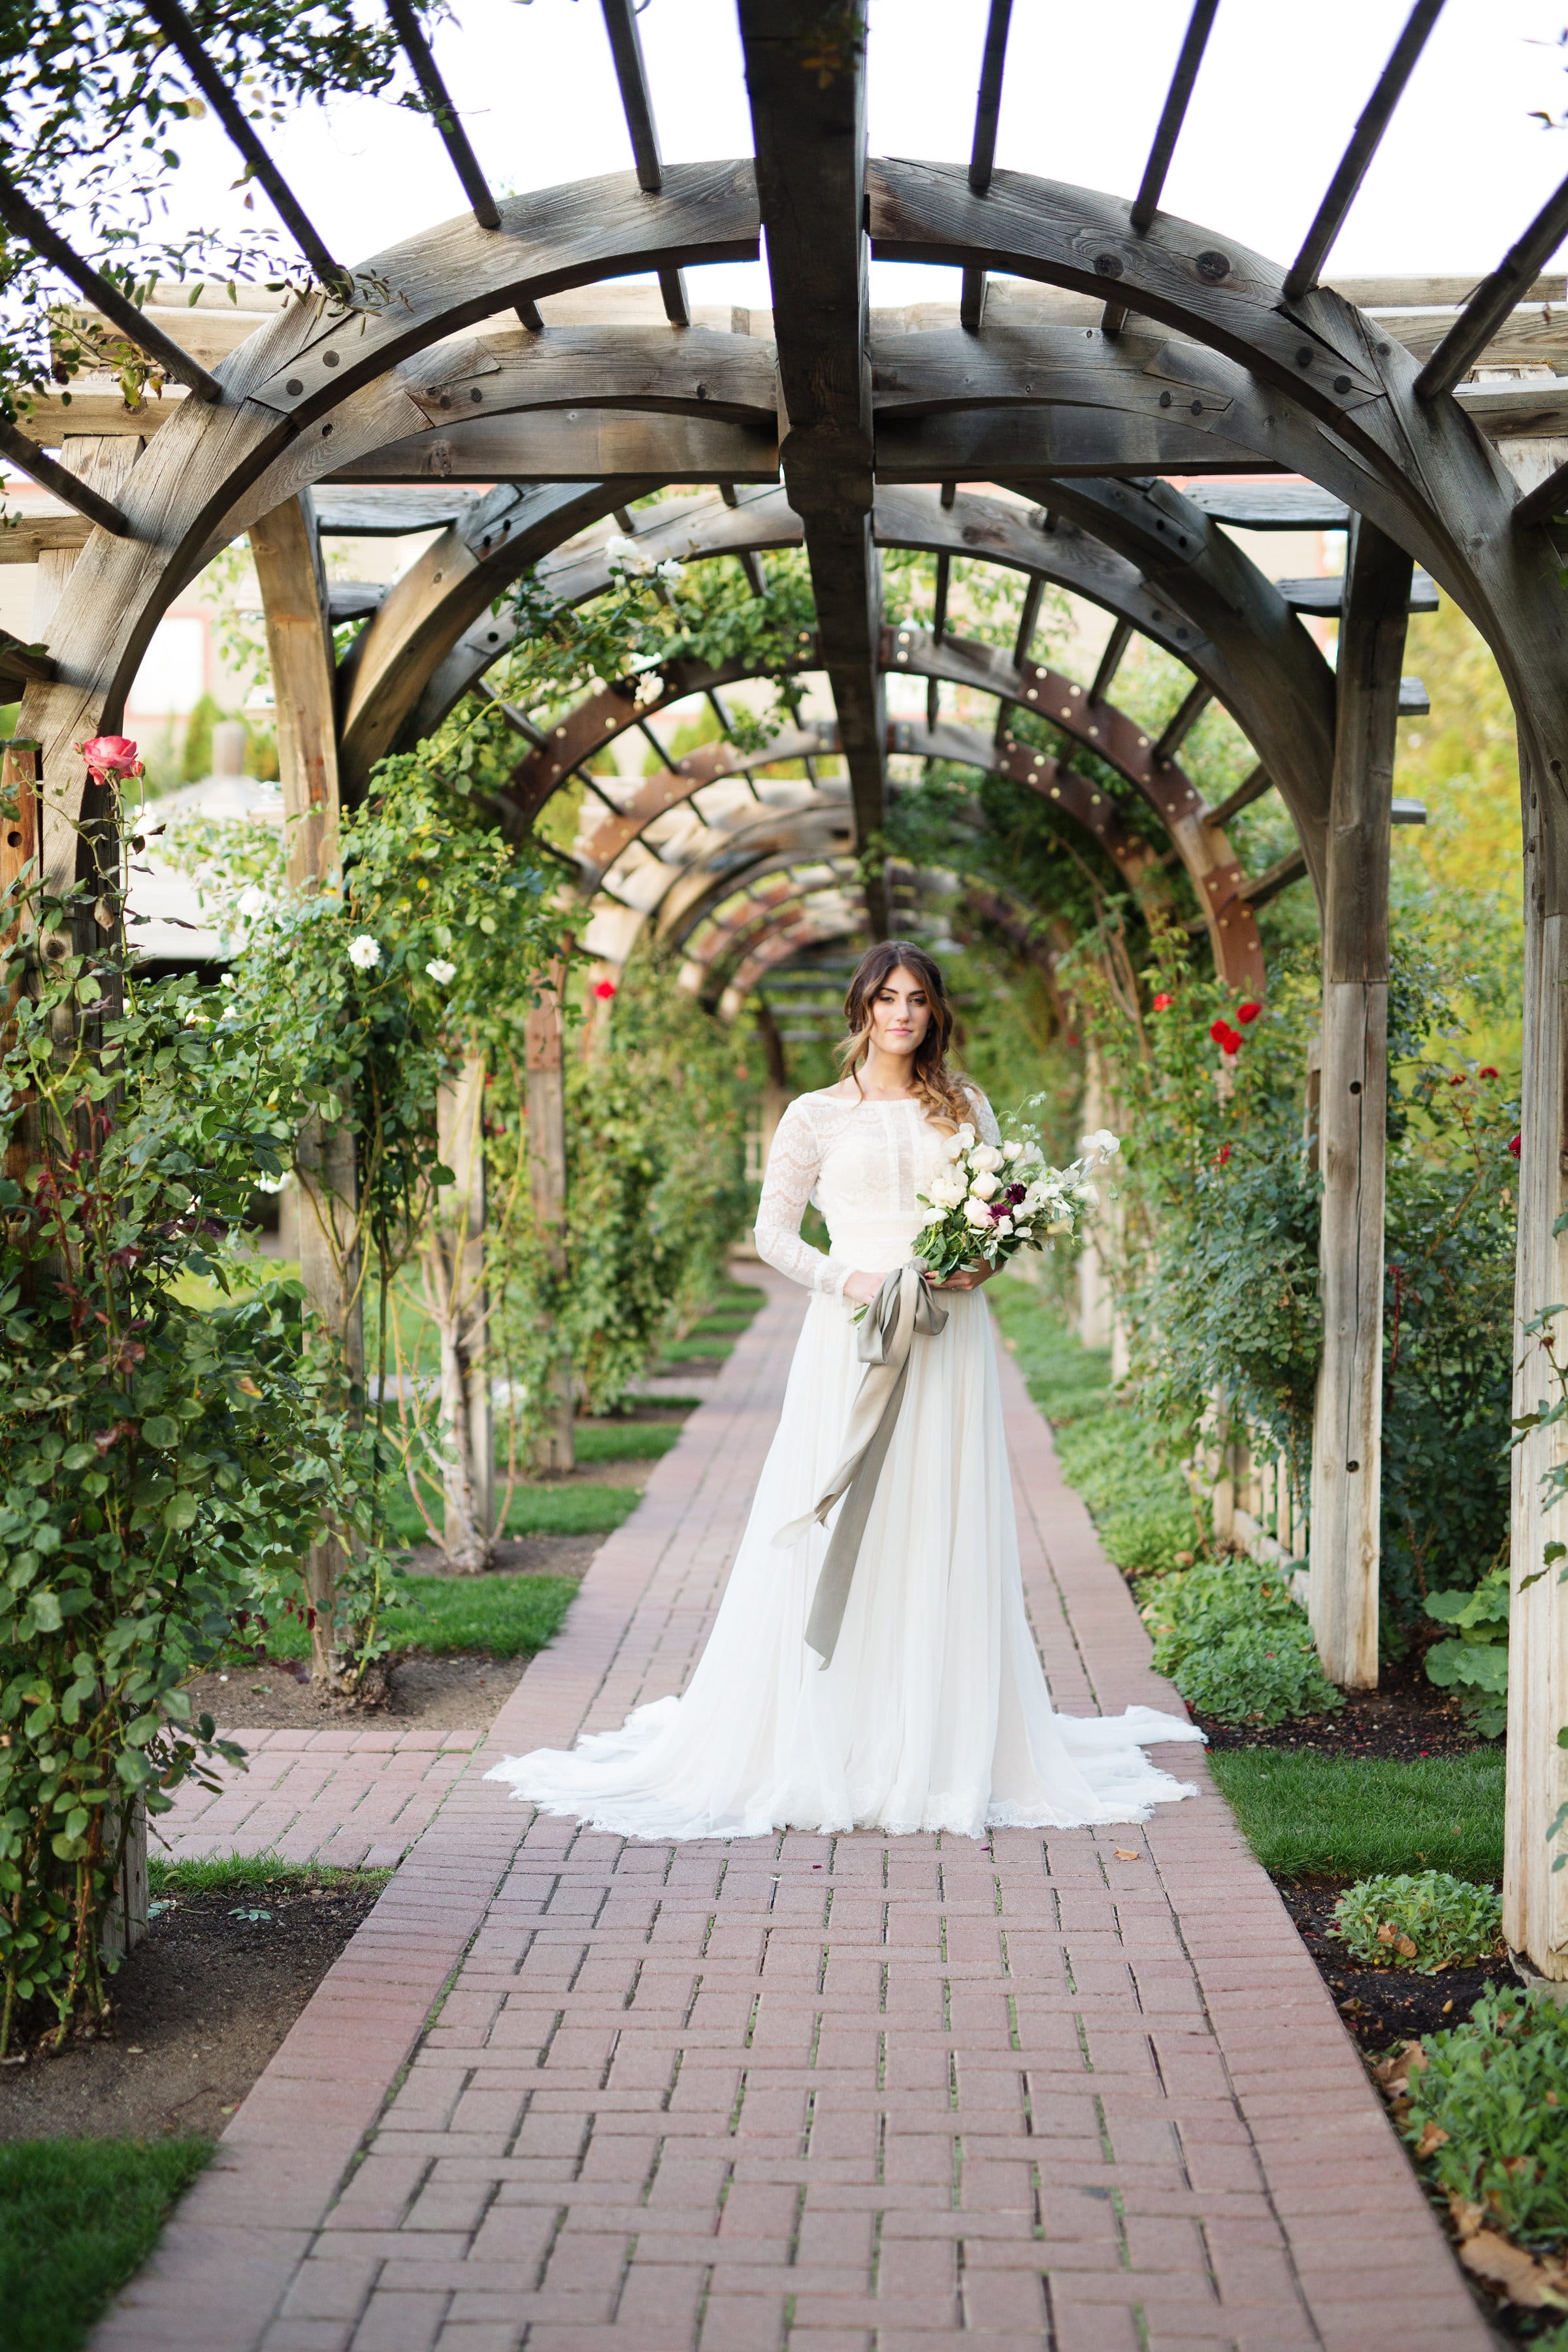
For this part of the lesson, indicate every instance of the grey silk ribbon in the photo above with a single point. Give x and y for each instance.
(903, 1309)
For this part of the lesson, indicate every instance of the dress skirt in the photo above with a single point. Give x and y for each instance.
(933, 1713)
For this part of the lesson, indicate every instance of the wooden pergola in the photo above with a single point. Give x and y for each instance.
(519, 394)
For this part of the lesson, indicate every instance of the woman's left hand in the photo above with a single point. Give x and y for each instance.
(968, 1277)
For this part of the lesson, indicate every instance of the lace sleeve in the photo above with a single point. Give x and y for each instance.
(792, 1165)
(985, 1117)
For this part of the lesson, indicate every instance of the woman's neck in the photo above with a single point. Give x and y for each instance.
(884, 1078)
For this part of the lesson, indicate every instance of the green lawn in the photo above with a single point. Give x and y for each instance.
(226, 1873)
(509, 1616)
(547, 1509)
(1306, 1815)
(625, 1440)
(77, 2218)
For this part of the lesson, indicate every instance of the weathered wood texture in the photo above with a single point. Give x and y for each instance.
(546, 1114)
(286, 550)
(1347, 1431)
(452, 1265)
(809, 132)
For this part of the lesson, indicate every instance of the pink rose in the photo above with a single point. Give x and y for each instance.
(110, 759)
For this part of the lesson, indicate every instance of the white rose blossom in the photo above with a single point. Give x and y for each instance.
(442, 972)
(986, 1155)
(364, 953)
(984, 1186)
(977, 1214)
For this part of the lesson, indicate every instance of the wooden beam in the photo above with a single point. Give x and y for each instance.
(51, 475)
(1494, 298)
(574, 447)
(27, 223)
(1347, 1427)
(1251, 788)
(1371, 124)
(286, 550)
(1182, 720)
(1116, 645)
(983, 151)
(454, 1269)
(443, 113)
(810, 142)
(546, 1114)
(100, 466)
(178, 29)
(637, 104)
(1167, 130)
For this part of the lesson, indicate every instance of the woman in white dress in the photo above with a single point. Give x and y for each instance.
(932, 1712)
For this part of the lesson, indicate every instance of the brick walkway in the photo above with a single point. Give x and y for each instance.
(355, 1799)
(803, 2095)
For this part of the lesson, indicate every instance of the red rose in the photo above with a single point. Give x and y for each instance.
(1458, 1081)
(1248, 1012)
(1222, 1155)
(1220, 1030)
(1231, 1043)
(1163, 1004)
(1486, 1074)
(1513, 1147)
(603, 989)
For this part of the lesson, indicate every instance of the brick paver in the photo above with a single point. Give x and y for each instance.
(358, 1798)
(835, 2094)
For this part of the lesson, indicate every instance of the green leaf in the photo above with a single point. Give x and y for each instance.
(43, 1611)
(181, 1513)
(162, 1430)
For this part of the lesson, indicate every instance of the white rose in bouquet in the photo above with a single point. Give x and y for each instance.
(946, 1191)
(977, 1214)
(984, 1186)
(985, 1156)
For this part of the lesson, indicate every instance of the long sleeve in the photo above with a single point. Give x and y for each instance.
(985, 1117)
(792, 1165)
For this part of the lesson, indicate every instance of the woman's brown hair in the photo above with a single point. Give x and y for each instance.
(938, 1089)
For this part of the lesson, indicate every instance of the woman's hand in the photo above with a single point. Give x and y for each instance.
(863, 1288)
(968, 1277)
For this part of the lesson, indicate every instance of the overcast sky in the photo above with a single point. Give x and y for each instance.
(1459, 177)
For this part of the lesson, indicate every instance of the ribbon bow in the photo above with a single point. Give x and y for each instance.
(902, 1307)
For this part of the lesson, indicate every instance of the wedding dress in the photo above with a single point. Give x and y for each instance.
(933, 1713)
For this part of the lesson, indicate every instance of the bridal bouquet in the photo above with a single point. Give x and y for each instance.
(995, 1199)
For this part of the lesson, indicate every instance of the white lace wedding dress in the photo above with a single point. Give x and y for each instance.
(933, 1713)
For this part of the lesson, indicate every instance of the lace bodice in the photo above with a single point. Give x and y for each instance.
(861, 1163)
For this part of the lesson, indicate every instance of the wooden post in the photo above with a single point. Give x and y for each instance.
(454, 1287)
(285, 549)
(1535, 1896)
(1347, 1429)
(547, 1178)
(104, 461)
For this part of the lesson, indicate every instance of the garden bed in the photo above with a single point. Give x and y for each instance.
(1382, 2006)
(1405, 1717)
(199, 2007)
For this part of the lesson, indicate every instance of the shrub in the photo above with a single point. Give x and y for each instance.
(1474, 1660)
(1488, 2111)
(1236, 1645)
(1425, 1920)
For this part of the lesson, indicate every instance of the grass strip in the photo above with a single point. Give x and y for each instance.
(1307, 1816)
(566, 1510)
(506, 1616)
(625, 1440)
(226, 1873)
(1110, 1451)
(77, 2218)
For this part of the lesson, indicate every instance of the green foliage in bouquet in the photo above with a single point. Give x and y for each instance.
(1423, 1920)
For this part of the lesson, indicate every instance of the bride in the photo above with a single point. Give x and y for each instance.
(932, 1712)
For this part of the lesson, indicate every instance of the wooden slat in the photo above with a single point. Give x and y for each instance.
(1492, 300)
(1371, 124)
(51, 475)
(810, 146)
(1347, 1431)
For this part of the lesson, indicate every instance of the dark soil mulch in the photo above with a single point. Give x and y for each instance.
(1406, 1715)
(461, 1693)
(198, 2009)
(1382, 2006)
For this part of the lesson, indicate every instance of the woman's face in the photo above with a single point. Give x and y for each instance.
(900, 1013)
